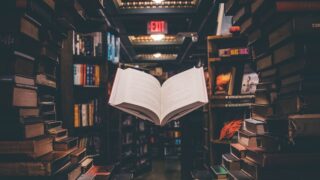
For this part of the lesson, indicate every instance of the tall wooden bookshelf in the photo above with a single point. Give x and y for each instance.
(84, 18)
(227, 55)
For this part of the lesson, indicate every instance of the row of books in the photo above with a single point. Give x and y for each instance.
(113, 48)
(86, 114)
(283, 47)
(86, 74)
(228, 52)
(90, 44)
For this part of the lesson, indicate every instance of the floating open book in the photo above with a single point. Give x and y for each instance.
(142, 95)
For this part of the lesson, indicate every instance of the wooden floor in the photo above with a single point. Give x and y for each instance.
(163, 170)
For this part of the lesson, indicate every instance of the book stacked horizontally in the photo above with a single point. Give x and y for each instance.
(279, 140)
(32, 141)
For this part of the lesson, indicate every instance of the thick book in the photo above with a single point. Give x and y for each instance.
(239, 175)
(300, 84)
(266, 142)
(78, 155)
(262, 112)
(18, 91)
(300, 25)
(66, 144)
(230, 162)
(44, 80)
(24, 128)
(47, 165)
(58, 133)
(33, 148)
(142, 95)
(297, 6)
(304, 125)
(86, 164)
(254, 126)
(238, 150)
(219, 172)
(298, 104)
(283, 159)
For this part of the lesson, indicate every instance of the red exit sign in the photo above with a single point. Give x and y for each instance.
(157, 27)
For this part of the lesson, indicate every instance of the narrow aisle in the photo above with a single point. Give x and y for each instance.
(163, 170)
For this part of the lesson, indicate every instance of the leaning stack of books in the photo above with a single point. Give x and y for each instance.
(282, 129)
(32, 141)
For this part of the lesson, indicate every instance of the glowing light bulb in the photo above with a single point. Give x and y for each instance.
(157, 55)
(158, 1)
(157, 37)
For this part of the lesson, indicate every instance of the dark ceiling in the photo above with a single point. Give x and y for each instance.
(185, 18)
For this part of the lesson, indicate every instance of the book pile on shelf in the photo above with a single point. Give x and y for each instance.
(86, 75)
(113, 50)
(279, 141)
(87, 114)
(33, 141)
(89, 44)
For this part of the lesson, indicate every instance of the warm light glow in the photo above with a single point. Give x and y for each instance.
(157, 55)
(158, 1)
(157, 37)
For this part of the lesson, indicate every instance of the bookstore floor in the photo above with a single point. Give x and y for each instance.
(163, 170)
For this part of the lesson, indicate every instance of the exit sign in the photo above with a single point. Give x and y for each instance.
(157, 27)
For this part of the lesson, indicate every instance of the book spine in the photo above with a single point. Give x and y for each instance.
(84, 115)
(76, 116)
(91, 113)
(93, 67)
(84, 74)
(97, 74)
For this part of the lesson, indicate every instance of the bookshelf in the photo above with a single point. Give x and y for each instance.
(87, 90)
(270, 31)
(228, 56)
(85, 77)
(33, 40)
(171, 139)
(135, 150)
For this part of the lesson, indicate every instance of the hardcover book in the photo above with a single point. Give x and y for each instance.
(149, 100)
(33, 148)
(230, 162)
(47, 165)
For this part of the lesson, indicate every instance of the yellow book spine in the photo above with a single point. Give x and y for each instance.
(76, 116)
(97, 75)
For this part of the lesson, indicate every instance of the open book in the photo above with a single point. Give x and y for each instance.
(142, 95)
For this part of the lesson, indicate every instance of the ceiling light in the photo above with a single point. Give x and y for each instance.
(157, 55)
(158, 1)
(157, 37)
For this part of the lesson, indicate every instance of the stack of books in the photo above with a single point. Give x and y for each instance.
(33, 142)
(279, 140)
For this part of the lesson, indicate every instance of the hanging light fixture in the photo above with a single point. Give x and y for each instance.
(157, 37)
(157, 55)
(158, 1)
